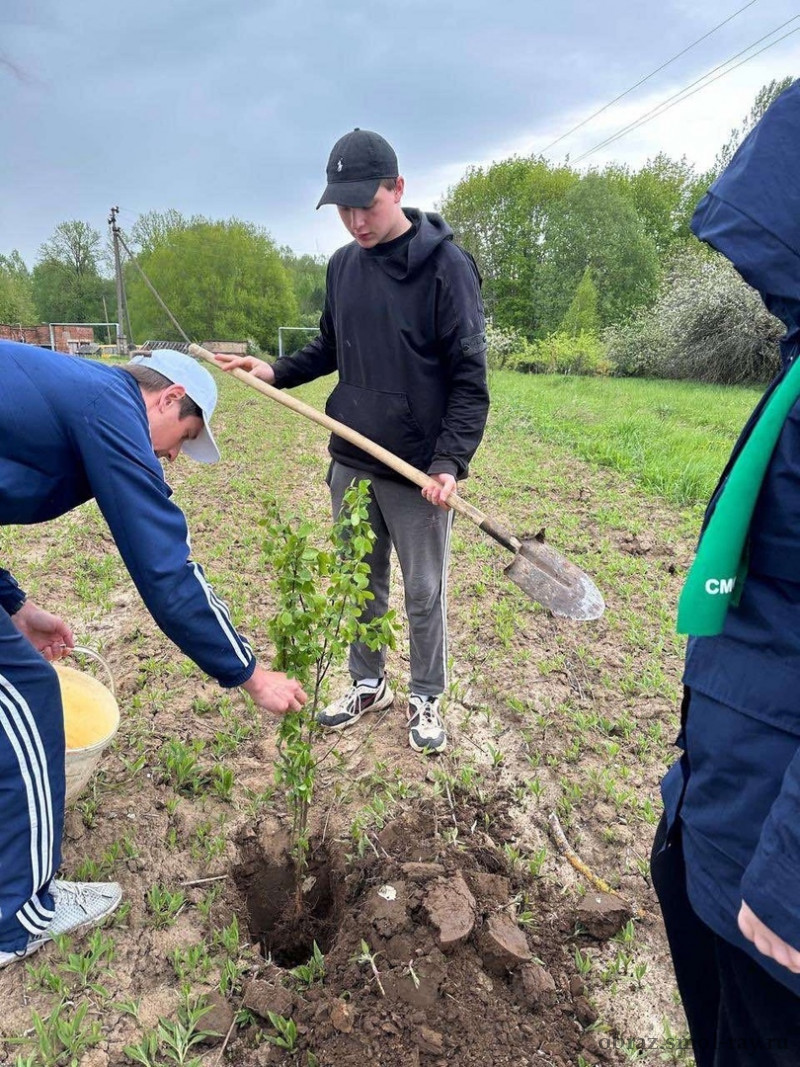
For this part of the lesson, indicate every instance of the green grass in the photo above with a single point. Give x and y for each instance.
(671, 438)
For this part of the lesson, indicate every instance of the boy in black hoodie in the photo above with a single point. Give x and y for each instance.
(403, 326)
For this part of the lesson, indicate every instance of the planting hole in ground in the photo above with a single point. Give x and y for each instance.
(284, 923)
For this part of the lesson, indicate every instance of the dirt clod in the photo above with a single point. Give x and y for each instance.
(422, 872)
(451, 909)
(264, 997)
(342, 1016)
(417, 984)
(535, 986)
(584, 1012)
(602, 915)
(387, 908)
(502, 945)
(490, 888)
(218, 1019)
(430, 1041)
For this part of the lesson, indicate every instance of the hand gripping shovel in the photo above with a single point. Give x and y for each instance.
(541, 572)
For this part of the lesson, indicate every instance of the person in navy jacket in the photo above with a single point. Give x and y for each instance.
(726, 861)
(72, 430)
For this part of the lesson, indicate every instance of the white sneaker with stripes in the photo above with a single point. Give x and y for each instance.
(77, 905)
(359, 698)
(426, 732)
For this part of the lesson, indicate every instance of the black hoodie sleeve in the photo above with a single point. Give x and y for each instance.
(461, 335)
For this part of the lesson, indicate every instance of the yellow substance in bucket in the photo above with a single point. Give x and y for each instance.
(90, 710)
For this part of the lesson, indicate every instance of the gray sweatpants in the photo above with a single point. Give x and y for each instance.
(420, 533)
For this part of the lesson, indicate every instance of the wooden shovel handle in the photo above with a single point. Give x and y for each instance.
(370, 447)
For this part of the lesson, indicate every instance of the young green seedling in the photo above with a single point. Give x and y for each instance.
(322, 596)
(367, 957)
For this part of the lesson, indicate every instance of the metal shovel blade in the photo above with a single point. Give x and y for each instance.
(555, 583)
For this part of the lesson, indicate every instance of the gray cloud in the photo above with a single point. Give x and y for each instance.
(229, 107)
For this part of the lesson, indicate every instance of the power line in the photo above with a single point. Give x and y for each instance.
(684, 94)
(647, 77)
(129, 211)
(153, 289)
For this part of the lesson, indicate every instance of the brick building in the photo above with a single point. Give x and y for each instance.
(74, 339)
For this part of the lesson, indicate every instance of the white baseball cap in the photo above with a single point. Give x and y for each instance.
(200, 387)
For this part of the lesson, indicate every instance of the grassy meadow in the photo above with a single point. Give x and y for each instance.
(670, 438)
(545, 716)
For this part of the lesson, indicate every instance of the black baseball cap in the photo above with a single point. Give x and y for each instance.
(356, 165)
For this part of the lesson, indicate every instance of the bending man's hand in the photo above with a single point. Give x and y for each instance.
(48, 634)
(274, 691)
(767, 943)
(259, 367)
(439, 489)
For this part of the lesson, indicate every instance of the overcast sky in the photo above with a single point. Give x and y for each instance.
(230, 107)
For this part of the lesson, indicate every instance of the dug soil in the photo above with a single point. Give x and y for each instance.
(425, 957)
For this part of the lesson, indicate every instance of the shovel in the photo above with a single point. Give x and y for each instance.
(541, 572)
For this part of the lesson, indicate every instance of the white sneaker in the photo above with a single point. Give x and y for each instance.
(350, 707)
(426, 732)
(34, 943)
(82, 904)
(77, 904)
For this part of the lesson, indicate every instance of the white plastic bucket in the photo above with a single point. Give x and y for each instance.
(82, 760)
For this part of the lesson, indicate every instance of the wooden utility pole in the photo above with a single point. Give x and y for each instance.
(122, 305)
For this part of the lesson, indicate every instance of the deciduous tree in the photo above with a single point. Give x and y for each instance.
(16, 291)
(67, 284)
(500, 215)
(307, 275)
(664, 193)
(155, 228)
(595, 225)
(582, 315)
(220, 279)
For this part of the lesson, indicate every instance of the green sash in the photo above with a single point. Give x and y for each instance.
(717, 575)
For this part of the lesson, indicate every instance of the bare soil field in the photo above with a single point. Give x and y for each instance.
(453, 925)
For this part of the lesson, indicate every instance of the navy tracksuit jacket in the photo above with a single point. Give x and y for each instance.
(736, 788)
(70, 430)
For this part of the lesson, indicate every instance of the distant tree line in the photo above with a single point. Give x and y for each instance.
(65, 285)
(584, 273)
(598, 272)
(539, 230)
(221, 279)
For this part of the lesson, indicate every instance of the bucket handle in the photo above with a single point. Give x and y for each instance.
(83, 651)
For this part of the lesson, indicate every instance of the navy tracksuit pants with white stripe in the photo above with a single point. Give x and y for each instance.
(31, 787)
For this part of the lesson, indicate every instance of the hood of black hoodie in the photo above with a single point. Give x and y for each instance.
(431, 231)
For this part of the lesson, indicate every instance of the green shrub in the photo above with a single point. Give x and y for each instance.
(561, 354)
(706, 325)
(501, 344)
(529, 357)
(638, 348)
